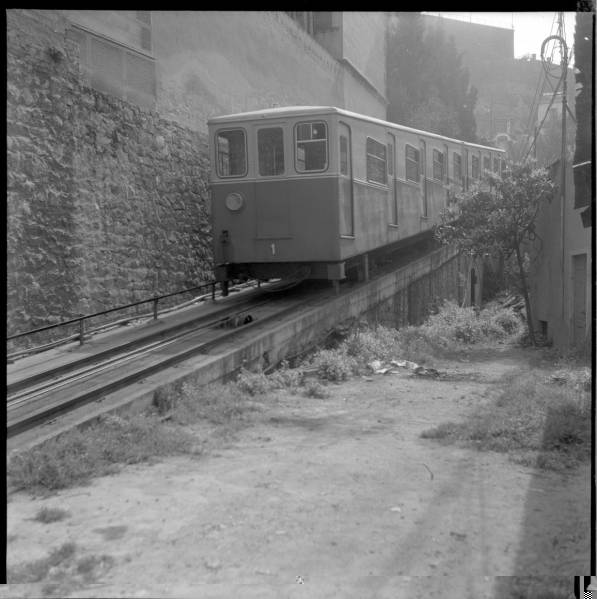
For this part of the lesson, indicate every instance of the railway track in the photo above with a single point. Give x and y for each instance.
(35, 399)
(36, 396)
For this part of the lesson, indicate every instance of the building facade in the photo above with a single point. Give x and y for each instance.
(506, 86)
(561, 270)
(107, 192)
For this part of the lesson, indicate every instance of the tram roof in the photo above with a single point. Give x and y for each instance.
(292, 111)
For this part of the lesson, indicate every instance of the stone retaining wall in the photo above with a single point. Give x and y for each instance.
(106, 203)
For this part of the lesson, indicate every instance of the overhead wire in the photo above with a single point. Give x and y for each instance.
(562, 77)
(537, 99)
(553, 97)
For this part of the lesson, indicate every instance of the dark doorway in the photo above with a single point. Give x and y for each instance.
(473, 286)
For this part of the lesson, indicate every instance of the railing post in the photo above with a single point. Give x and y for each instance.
(213, 292)
(81, 331)
(155, 308)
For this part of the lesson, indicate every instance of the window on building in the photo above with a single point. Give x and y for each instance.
(496, 164)
(376, 162)
(438, 165)
(311, 146)
(115, 69)
(231, 149)
(475, 167)
(343, 155)
(486, 163)
(304, 18)
(270, 149)
(323, 21)
(412, 164)
(457, 167)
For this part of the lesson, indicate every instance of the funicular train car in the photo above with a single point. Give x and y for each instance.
(308, 191)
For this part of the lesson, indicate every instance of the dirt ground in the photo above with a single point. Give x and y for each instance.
(335, 497)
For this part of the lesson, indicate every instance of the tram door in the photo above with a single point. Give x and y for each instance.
(345, 185)
(423, 162)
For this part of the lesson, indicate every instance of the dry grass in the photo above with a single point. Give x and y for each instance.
(61, 572)
(37, 570)
(537, 422)
(81, 454)
(46, 515)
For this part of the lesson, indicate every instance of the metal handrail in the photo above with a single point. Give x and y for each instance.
(81, 319)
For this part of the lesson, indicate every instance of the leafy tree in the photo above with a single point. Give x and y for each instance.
(498, 219)
(428, 87)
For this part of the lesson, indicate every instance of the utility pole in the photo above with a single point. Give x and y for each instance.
(564, 66)
(564, 82)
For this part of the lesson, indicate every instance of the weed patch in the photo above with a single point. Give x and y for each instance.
(60, 571)
(316, 390)
(535, 422)
(460, 325)
(451, 330)
(47, 515)
(216, 404)
(334, 365)
(78, 455)
(37, 570)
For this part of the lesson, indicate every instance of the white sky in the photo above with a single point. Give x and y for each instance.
(530, 28)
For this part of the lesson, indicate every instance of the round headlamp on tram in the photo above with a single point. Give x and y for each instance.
(234, 201)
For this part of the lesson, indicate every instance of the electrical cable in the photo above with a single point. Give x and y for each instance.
(537, 100)
(555, 92)
(534, 107)
(553, 97)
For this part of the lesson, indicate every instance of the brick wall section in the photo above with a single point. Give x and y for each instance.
(106, 203)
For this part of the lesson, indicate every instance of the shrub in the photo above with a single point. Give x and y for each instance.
(365, 346)
(334, 365)
(286, 378)
(216, 403)
(316, 389)
(468, 325)
(253, 383)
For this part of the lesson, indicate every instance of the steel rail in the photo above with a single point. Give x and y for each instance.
(82, 372)
(30, 381)
(40, 409)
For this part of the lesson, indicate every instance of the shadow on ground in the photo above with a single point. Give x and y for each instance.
(555, 541)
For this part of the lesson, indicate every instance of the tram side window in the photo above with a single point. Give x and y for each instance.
(270, 148)
(376, 162)
(457, 167)
(412, 164)
(311, 146)
(231, 148)
(343, 155)
(390, 159)
(438, 165)
(446, 165)
(475, 167)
